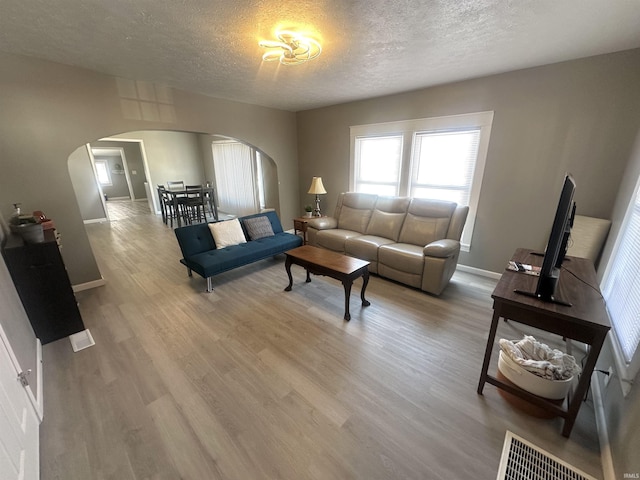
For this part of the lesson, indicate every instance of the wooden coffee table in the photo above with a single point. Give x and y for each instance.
(331, 264)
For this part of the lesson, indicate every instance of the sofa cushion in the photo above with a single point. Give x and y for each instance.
(426, 221)
(258, 227)
(365, 247)
(384, 224)
(334, 239)
(355, 211)
(403, 257)
(354, 219)
(227, 233)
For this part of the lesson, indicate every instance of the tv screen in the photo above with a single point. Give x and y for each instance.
(556, 245)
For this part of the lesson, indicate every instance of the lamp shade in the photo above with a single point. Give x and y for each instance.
(317, 188)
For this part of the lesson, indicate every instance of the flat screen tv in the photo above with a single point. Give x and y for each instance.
(557, 245)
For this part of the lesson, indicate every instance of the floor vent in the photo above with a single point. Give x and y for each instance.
(81, 340)
(521, 460)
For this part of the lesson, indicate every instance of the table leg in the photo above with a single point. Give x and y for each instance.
(582, 387)
(308, 276)
(175, 210)
(365, 282)
(487, 353)
(287, 267)
(347, 282)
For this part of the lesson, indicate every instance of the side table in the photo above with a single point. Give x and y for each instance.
(585, 321)
(300, 225)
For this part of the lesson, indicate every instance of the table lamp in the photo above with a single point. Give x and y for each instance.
(317, 189)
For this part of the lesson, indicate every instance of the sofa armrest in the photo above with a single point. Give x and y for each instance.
(323, 223)
(442, 248)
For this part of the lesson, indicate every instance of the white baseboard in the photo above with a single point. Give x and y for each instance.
(88, 285)
(96, 220)
(606, 458)
(479, 272)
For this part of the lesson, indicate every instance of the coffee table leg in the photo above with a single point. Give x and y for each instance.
(287, 267)
(308, 276)
(365, 281)
(347, 294)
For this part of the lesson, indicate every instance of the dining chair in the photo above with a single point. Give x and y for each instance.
(176, 185)
(210, 200)
(171, 210)
(195, 203)
(161, 201)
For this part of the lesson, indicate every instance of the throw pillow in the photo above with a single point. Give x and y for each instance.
(258, 227)
(227, 233)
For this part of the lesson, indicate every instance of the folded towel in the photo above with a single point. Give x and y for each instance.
(540, 359)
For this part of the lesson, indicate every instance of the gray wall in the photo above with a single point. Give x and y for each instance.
(118, 188)
(579, 117)
(49, 110)
(85, 185)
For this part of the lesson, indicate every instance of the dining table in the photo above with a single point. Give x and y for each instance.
(207, 192)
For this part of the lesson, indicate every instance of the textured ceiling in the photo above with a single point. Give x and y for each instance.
(370, 48)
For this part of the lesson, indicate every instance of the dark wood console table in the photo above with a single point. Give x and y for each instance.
(41, 280)
(585, 321)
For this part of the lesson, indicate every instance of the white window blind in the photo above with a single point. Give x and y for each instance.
(444, 164)
(378, 165)
(621, 286)
(235, 178)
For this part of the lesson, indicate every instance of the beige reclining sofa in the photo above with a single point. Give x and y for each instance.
(411, 240)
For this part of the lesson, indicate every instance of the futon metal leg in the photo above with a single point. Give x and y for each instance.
(209, 285)
(189, 272)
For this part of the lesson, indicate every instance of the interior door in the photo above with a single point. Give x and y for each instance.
(19, 442)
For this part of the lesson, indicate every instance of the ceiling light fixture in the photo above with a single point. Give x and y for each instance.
(291, 49)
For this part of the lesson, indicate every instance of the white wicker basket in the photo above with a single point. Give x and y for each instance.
(551, 389)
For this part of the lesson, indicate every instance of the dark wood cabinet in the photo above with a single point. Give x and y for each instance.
(43, 285)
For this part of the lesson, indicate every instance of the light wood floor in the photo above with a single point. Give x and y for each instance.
(251, 382)
(126, 209)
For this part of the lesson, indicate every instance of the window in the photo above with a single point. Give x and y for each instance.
(378, 169)
(102, 171)
(443, 165)
(441, 158)
(238, 185)
(621, 290)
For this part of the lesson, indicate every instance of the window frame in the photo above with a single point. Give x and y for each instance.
(407, 129)
(627, 371)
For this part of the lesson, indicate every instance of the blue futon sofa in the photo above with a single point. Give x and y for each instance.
(200, 255)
